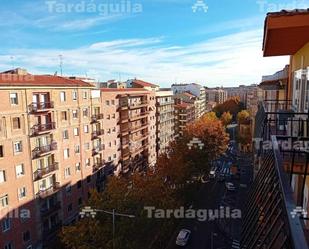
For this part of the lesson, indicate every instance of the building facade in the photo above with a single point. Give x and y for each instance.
(216, 95)
(184, 114)
(198, 91)
(165, 115)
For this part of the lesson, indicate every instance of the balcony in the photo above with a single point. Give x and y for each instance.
(51, 209)
(44, 150)
(96, 117)
(49, 191)
(40, 107)
(97, 166)
(141, 104)
(97, 134)
(40, 173)
(281, 169)
(135, 128)
(42, 128)
(97, 149)
(139, 116)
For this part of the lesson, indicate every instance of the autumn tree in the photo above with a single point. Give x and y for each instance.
(226, 118)
(243, 117)
(232, 105)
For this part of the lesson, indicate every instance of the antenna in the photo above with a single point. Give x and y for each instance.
(61, 63)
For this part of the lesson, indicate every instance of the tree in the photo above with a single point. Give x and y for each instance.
(243, 117)
(232, 105)
(226, 118)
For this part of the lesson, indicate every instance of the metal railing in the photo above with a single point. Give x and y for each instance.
(268, 221)
(41, 128)
(41, 150)
(38, 174)
(40, 106)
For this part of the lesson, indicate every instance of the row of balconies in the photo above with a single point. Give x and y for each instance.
(40, 173)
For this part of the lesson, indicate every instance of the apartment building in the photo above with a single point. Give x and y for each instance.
(275, 86)
(281, 185)
(135, 110)
(165, 115)
(217, 95)
(198, 91)
(46, 155)
(184, 114)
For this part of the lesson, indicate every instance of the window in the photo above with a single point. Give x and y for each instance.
(2, 176)
(8, 245)
(113, 102)
(26, 236)
(86, 128)
(77, 149)
(109, 158)
(77, 166)
(67, 172)
(79, 184)
(18, 147)
(62, 96)
(76, 131)
(64, 116)
(14, 98)
(88, 179)
(107, 102)
(114, 116)
(75, 114)
(114, 129)
(87, 162)
(85, 94)
(68, 189)
(65, 134)
(74, 95)
(70, 207)
(87, 146)
(115, 156)
(22, 193)
(66, 153)
(85, 112)
(1, 151)
(16, 123)
(108, 116)
(20, 171)
(4, 201)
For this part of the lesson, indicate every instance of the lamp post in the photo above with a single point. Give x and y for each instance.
(89, 212)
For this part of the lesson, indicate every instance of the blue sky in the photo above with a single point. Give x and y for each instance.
(161, 41)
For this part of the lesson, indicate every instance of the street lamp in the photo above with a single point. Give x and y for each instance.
(90, 212)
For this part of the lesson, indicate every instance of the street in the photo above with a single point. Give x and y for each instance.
(218, 233)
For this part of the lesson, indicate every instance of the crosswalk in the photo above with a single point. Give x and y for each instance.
(235, 244)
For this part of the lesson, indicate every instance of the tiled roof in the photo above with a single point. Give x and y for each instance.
(183, 105)
(289, 12)
(123, 90)
(29, 80)
(143, 83)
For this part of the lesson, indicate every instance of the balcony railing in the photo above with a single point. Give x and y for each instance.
(139, 105)
(40, 173)
(52, 209)
(43, 193)
(97, 134)
(41, 106)
(43, 150)
(42, 128)
(97, 149)
(96, 117)
(98, 166)
(134, 128)
(269, 221)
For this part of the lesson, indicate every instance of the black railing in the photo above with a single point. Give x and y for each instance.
(41, 128)
(97, 134)
(268, 221)
(49, 191)
(42, 150)
(38, 174)
(96, 117)
(40, 106)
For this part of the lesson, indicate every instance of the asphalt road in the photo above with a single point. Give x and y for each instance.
(218, 233)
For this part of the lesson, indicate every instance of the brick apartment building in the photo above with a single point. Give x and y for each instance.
(60, 138)
(184, 114)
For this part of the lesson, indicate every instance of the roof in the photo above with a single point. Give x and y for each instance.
(183, 105)
(29, 80)
(123, 90)
(143, 83)
(188, 94)
(292, 27)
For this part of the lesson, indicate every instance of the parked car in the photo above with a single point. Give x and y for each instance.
(183, 237)
(230, 186)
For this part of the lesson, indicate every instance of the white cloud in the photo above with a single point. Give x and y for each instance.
(226, 60)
